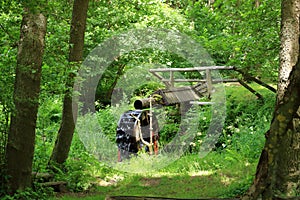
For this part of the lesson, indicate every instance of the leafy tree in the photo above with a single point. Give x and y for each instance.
(21, 138)
(54, 71)
(240, 33)
(115, 17)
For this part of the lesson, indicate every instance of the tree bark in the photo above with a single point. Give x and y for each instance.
(278, 172)
(288, 172)
(65, 134)
(289, 42)
(21, 138)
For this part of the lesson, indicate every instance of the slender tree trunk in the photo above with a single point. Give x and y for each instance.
(278, 172)
(67, 127)
(21, 138)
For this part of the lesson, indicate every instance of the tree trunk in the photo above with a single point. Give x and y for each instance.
(21, 138)
(278, 168)
(67, 127)
(289, 43)
(288, 172)
(266, 181)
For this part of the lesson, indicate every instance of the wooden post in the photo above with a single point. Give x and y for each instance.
(171, 78)
(209, 82)
(150, 127)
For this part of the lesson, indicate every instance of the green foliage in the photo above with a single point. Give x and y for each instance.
(147, 89)
(234, 34)
(238, 34)
(116, 17)
(247, 121)
(10, 19)
(49, 117)
(35, 193)
(226, 172)
(82, 170)
(55, 63)
(108, 123)
(168, 132)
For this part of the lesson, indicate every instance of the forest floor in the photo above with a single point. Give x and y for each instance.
(219, 183)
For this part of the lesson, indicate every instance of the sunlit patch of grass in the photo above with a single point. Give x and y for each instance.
(201, 173)
(190, 180)
(192, 177)
(144, 163)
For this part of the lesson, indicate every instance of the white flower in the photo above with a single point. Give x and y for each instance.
(169, 63)
(199, 133)
(192, 144)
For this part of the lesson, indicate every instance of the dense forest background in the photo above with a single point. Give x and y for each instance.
(240, 33)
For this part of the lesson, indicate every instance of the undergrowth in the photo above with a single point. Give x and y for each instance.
(226, 171)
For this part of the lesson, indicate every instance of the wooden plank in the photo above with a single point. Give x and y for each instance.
(191, 69)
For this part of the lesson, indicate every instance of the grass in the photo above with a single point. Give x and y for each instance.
(190, 184)
(225, 172)
(188, 177)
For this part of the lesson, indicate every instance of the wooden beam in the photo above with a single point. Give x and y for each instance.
(202, 80)
(201, 103)
(165, 81)
(191, 69)
(259, 96)
(251, 78)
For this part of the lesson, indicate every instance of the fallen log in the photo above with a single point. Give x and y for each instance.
(58, 186)
(40, 175)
